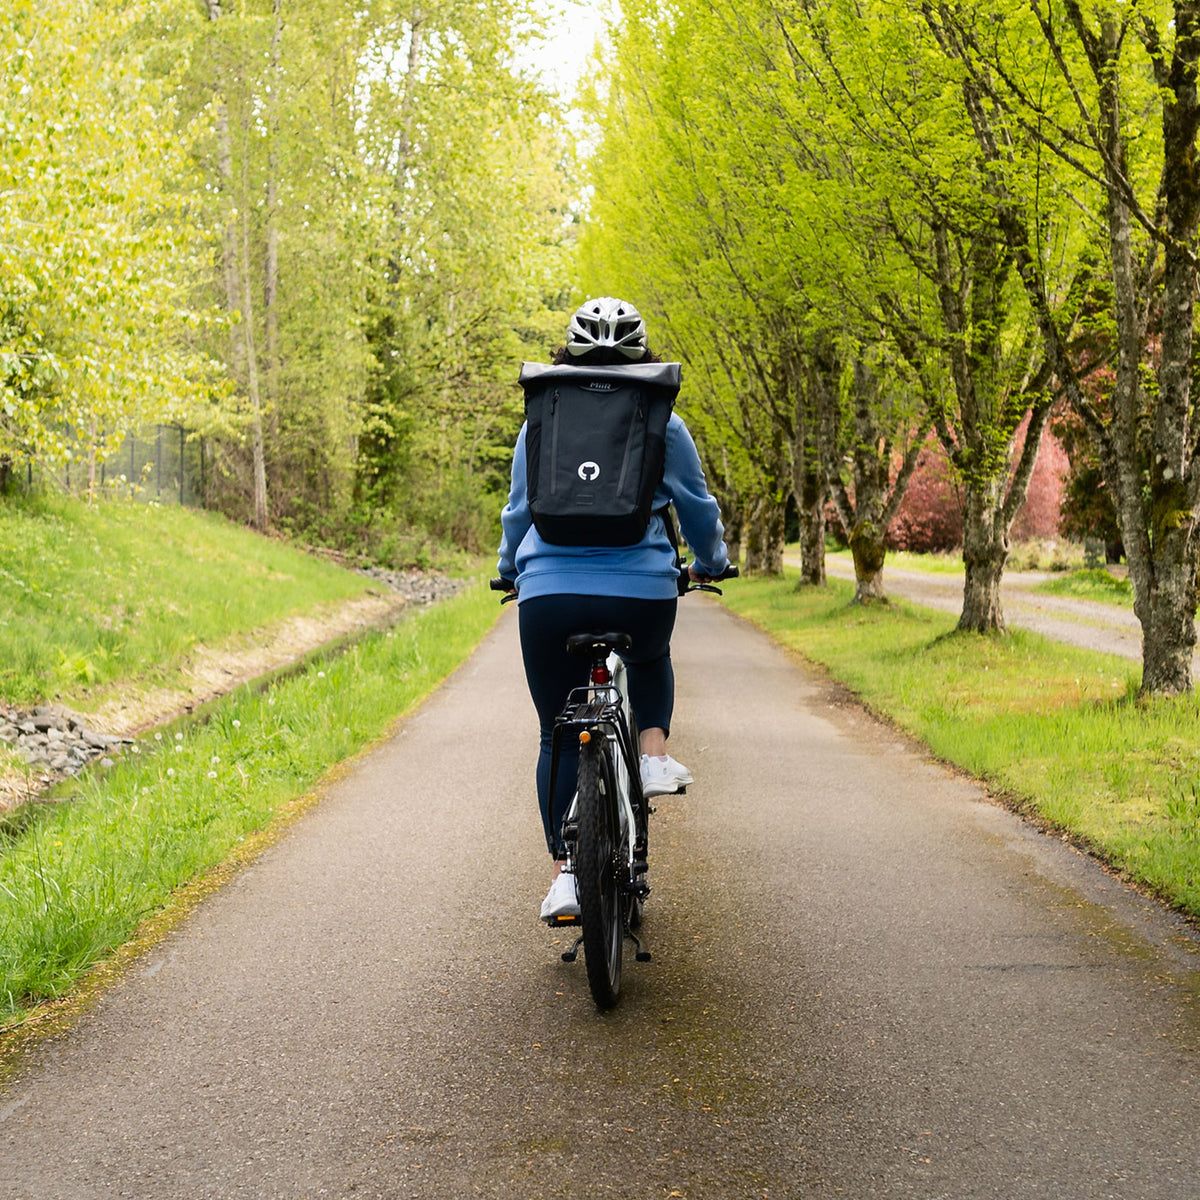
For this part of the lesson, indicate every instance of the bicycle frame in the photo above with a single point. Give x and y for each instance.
(603, 708)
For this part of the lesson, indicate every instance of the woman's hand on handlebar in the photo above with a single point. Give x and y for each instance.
(694, 581)
(730, 571)
(507, 586)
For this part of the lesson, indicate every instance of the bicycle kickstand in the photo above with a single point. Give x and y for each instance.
(572, 954)
(642, 954)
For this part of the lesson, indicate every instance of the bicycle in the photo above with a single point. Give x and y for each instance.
(606, 827)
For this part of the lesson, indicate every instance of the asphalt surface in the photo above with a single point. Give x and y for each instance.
(867, 981)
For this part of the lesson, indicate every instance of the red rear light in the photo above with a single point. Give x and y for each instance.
(601, 676)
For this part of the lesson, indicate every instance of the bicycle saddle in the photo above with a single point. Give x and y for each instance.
(582, 643)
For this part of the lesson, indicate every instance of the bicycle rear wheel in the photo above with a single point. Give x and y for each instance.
(601, 896)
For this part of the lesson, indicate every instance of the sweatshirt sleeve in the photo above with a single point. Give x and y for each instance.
(515, 519)
(698, 512)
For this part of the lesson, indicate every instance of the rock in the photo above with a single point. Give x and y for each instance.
(57, 738)
(418, 586)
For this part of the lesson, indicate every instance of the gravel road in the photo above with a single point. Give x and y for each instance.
(1090, 624)
(867, 981)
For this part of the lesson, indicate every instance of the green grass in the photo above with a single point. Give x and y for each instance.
(1092, 583)
(1056, 730)
(950, 563)
(89, 595)
(78, 878)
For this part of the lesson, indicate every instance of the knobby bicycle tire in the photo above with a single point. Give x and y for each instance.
(601, 896)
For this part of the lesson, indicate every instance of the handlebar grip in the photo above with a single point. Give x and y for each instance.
(508, 586)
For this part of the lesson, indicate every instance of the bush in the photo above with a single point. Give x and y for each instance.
(930, 516)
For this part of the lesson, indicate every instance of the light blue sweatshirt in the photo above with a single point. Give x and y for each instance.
(644, 571)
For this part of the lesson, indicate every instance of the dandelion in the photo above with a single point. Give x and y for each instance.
(212, 774)
(179, 737)
(158, 736)
(178, 749)
(170, 772)
(236, 723)
(215, 758)
(320, 674)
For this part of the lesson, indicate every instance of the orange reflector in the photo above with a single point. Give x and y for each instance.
(584, 738)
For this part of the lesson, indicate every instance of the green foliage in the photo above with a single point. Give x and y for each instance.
(78, 879)
(96, 252)
(92, 594)
(801, 197)
(320, 235)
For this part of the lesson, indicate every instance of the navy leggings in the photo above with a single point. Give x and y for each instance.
(546, 623)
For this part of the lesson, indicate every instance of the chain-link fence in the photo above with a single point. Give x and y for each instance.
(158, 463)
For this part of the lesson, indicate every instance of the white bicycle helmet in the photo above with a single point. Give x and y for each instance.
(607, 323)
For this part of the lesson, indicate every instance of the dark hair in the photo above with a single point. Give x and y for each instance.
(600, 356)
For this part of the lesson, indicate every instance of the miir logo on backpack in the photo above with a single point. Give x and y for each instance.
(589, 472)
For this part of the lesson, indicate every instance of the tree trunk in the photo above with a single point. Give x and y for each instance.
(271, 265)
(774, 523)
(733, 534)
(256, 421)
(1175, 465)
(868, 547)
(235, 267)
(872, 470)
(808, 476)
(752, 526)
(985, 551)
(731, 511)
(810, 500)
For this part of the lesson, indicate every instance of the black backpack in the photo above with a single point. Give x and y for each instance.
(594, 449)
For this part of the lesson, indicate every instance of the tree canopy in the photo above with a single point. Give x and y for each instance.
(319, 236)
(857, 220)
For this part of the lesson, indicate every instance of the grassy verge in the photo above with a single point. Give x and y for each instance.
(1093, 583)
(1056, 730)
(79, 879)
(89, 595)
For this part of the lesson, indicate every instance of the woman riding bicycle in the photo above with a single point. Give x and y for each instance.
(564, 589)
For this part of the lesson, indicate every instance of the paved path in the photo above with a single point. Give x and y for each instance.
(868, 981)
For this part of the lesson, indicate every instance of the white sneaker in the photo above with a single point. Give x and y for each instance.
(661, 776)
(561, 900)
